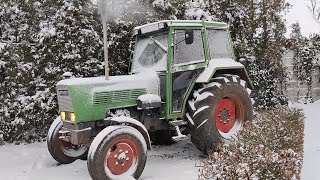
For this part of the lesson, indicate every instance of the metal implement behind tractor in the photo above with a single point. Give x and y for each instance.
(183, 80)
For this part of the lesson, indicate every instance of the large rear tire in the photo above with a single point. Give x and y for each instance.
(62, 151)
(118, 152)
(218, 111)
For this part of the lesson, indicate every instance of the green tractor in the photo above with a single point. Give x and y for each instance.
(183, 80)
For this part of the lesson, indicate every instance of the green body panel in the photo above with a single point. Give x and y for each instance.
(90, 105)
(169, 74)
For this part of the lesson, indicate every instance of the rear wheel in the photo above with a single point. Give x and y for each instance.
(118, 152)
(218, 111)
(62, 151)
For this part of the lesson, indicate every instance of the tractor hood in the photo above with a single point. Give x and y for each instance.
(90, 98)
(147, 80)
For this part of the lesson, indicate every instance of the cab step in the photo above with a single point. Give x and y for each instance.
(180, 136)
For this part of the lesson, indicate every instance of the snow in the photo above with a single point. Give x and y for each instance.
(175, 162)
(212, 85)
(190, 120)
(147, 79)
(149, 98)
(205, 121)
(181, 23)
(124, 119)
(204, 95)
(233, 132)
(2, 45)
(200, 109)
(198, 14)
(53, 127)
(311, 159)
(223, 78)
(249, 91)
(150, 24)
(189, 63)
(67, 75)
(301, 14)
(243, 83)
(191, 103)
(215, 64)
(99, 138)
(178, 161)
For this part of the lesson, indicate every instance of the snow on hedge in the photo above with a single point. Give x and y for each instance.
(271, 146)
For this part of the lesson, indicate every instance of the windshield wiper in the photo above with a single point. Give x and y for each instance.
(159, 44)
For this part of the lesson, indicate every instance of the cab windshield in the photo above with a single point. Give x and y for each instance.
(150, 53)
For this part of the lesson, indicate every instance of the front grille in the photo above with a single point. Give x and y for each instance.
(117, 96)
(64, 102)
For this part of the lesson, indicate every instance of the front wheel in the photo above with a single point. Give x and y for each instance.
(62, 151)
(118, 152)
(218, 111)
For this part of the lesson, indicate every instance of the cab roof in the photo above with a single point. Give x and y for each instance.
(187, 23)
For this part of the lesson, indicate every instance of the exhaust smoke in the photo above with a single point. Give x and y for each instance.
(125, 10)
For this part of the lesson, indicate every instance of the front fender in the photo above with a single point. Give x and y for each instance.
(134, 123)
(227, 66)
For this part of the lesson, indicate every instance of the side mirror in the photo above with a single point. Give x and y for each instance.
(189, 36)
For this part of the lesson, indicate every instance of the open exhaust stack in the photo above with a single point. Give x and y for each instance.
(105, 47)
(110, 10)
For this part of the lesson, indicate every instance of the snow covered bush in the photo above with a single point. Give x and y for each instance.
(43, 40)
(40, 40)
(270, 147)
(306, 58)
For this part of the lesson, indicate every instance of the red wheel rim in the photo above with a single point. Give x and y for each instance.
(229, 112)
(65, 145)
(121, 156)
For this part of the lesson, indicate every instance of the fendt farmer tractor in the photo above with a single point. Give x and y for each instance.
(183, 83)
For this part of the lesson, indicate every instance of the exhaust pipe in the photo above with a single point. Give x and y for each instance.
(105, 47)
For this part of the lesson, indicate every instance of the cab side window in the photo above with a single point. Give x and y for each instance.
(219, 44)
(186, 53)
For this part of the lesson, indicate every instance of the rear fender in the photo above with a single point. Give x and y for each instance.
(134, 123)
(224, 66)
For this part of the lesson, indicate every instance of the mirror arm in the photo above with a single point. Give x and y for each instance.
(159, 44)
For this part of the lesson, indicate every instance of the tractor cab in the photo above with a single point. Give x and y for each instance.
(179, 51)
(181, 42)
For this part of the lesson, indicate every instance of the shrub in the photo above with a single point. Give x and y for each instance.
(270, 147)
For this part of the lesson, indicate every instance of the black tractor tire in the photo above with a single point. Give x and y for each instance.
(63, 152)
(117, 152)
(218, 111)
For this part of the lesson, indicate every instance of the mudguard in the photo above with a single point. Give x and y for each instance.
(134, 123)
(223, 64)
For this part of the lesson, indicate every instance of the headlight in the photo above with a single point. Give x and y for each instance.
(63, 116)
(72, 117)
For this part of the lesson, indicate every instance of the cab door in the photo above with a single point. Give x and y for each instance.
(189, 58)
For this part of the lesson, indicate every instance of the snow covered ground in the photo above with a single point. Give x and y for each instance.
(30, 162)
(179, 161)
(311, 159)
